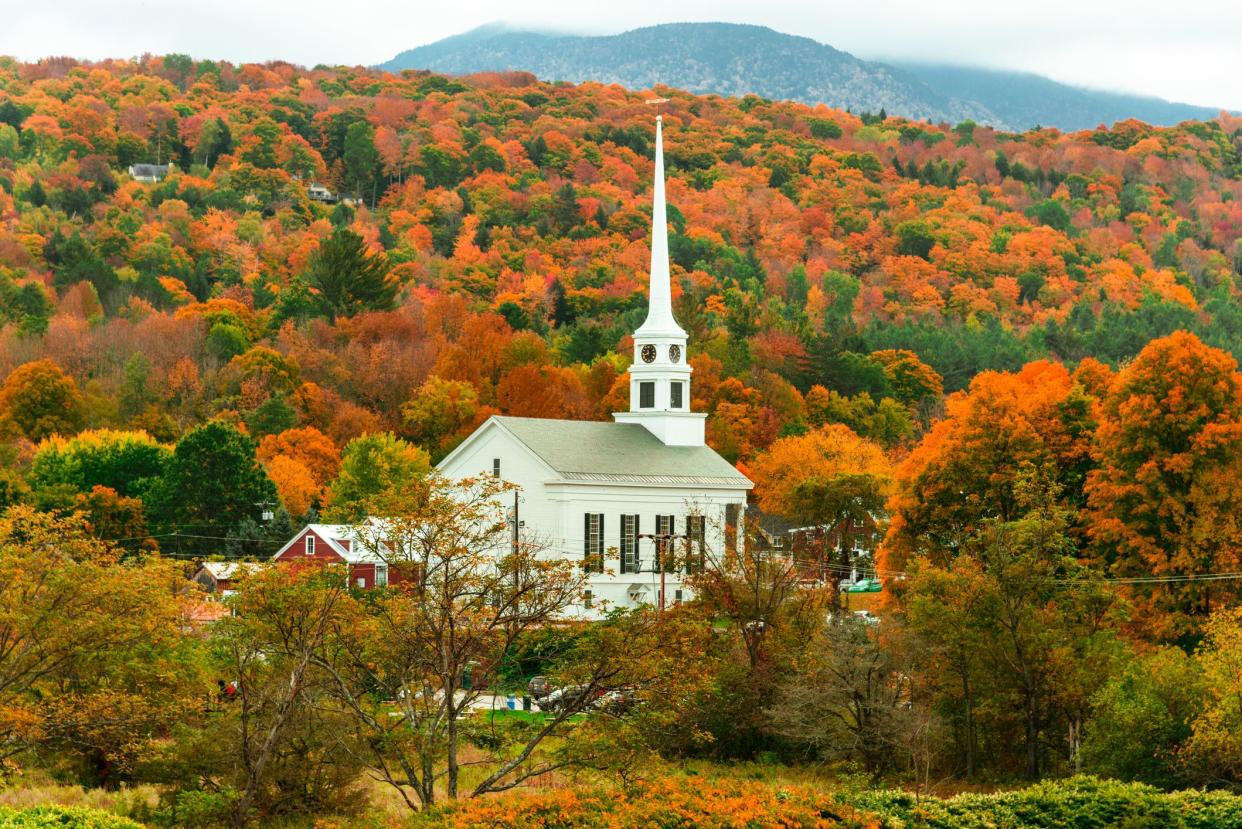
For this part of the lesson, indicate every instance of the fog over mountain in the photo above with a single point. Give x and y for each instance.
(735, 60)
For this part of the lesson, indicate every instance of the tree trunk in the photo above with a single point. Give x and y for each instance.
(427, 789)
(1032, 737)
(452, 748)
(970, 725)
(254, 774)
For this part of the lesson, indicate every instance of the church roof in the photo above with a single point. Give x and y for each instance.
(589, 450)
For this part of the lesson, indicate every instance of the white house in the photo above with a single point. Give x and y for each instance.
(643, 484)
(149, 173)
(317, 192)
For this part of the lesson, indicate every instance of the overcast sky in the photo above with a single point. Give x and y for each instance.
(1187, 50)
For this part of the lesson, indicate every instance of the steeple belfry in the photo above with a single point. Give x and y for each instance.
(659, 374)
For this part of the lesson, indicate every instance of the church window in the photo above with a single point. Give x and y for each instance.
(593, 544)
(696, 552)
(495, 467)
(629, 544)
(646, 395)
(733, 516)
(665, 543)
(675, 395)
(587, 599)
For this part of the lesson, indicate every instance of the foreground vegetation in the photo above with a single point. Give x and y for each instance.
(723, 799)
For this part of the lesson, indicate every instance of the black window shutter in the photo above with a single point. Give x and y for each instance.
(599, 550)
(672, 545)
(586, 541)
(689, 544)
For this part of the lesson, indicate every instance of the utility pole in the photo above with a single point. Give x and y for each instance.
(663, 545)
(516, 538)
(515, 543)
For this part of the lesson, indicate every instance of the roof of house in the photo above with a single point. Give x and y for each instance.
(230, 569)
(202, 613)
(151, 170)
(588, 450)
(335, 536)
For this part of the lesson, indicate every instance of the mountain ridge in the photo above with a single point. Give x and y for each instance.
(735, 60)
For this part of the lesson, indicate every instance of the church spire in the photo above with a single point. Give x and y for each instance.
(660, 373)
(660, 321)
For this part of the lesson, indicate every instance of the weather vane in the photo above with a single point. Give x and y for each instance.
(657, 102)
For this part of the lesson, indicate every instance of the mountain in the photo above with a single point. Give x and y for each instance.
(1026, 100)
(722, 58)
(736, 60)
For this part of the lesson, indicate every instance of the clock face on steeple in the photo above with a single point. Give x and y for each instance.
(649, 353)
(674, 353)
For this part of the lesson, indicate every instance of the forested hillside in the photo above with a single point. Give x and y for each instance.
(495, 258)
(1013, 355)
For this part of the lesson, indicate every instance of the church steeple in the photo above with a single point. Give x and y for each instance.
(660, 321)
(659, 374)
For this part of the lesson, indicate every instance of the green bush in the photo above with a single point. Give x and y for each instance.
(62, 817)
(196, 810)
(1078, 803)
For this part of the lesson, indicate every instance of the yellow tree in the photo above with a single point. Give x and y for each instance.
(462, 597)
(1216, 734)
(92, 656)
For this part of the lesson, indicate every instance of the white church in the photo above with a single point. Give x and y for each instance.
(620, 496)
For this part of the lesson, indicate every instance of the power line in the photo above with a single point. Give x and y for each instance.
(840, 569)
(194, 535)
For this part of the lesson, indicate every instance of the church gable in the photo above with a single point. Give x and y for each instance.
(492, 449)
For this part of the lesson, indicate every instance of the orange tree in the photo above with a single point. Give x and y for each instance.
(829, 475)
(965, 470)
(39, 400)
(1165, 500)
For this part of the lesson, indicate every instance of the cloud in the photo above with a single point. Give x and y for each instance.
(1183, 51)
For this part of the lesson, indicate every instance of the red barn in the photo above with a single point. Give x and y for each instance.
(335, 544)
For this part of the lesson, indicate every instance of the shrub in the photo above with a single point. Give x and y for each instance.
(673, 802)
(62, 817)
(1077, 803)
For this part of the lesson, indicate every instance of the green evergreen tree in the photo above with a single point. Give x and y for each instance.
(361, 159)
(345, 279)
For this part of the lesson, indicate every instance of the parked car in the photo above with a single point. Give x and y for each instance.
(538, 687)
(614, 702)
(561, 698)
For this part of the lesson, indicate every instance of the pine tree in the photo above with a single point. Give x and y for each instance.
(346, 279)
